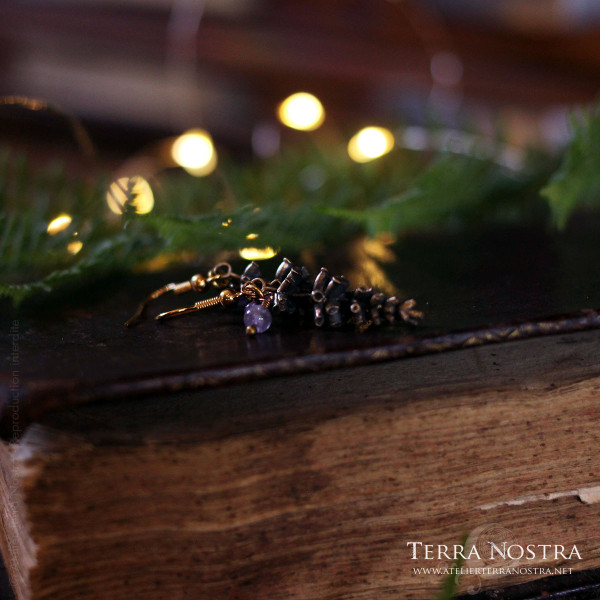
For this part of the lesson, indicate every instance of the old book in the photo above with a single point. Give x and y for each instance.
(283, 489)
(190, 461)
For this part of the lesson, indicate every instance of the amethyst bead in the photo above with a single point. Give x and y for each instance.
(259, 316)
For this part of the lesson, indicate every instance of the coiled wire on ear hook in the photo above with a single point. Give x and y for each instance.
(220, 275)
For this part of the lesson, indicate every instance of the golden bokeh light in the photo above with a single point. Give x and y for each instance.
(258, 253)
(379, 247)
(252, 236)
(135, 190)
(74, 247)
(370, 143)
(195, 152)
(59, 224)
(301, 111)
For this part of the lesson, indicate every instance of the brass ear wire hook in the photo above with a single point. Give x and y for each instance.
(253, 290)
(219, 275)
(226, 298)
(196, 283)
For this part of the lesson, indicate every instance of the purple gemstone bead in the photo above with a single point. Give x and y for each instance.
(259, 316)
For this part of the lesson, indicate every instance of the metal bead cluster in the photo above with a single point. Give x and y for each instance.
(327, 299)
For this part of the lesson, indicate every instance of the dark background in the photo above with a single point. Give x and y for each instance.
(138, 70)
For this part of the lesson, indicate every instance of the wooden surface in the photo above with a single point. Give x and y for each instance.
(495, 286)
(311, 486)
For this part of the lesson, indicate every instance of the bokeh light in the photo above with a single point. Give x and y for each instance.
(134, 190)
(258, 253)
(370, 143)
(301, 111)
(195, 152)
(59, 224)
(74, 247)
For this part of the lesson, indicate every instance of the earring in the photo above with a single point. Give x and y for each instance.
(197, 283)
(326, 299)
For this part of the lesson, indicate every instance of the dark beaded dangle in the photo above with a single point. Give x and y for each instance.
(328, 298)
